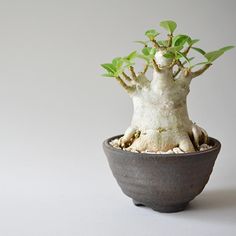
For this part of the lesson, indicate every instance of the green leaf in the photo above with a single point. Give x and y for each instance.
(149, 52)
(141, 42)
(191, 58)
(201, 63)
(131, 56)
(151, 34)
(192, 41)
(109, 67)
(182, 55)
(180, 40)
(212, 56)
(146, 58)
(224, 49)
(169, 25)
(118, 62)
(199, 50)
(146, 51)
(175, 49)
(169, 55)
(153, 51)
(108, 75)
(163, 43)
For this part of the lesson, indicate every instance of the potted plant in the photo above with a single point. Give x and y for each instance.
(163, 160)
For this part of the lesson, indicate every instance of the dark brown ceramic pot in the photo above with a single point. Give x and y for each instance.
(164, 182)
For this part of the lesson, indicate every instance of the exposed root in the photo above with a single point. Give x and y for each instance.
(130, 135)
(186, 145)
(205, 134)
(162, 140)
(200, 136)
(156, 140)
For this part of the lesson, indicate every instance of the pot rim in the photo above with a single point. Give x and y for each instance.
(216, 146)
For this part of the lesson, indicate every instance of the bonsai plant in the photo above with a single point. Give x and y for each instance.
(162, 151)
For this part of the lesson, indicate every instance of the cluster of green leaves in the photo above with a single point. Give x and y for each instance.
(180, 41)
(119, 64)
(177, 47)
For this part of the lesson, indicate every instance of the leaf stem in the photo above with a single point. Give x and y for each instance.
(155, 44)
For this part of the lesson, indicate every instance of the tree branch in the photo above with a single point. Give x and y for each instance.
(169, 66)
(181, 66)
(177, 72)
(128, 89)
(126, 77)
(133, 74)
(200, 71)
(170, 39)
(186, 51)
(145, 69)
(156, 67)
(155, 43)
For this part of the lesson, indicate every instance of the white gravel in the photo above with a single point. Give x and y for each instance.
(175, 150)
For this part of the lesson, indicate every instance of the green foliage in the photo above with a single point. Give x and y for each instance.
(172, 52)
(170, 55)
(129, 60)
(192, 41)
(181, 55)
(224, 49)
(212, 56)
(169, 25)
(118, 62)
(200, 64)
(148, 51)
(110, 68)
(118, 65)
(180, 40)
(151, 34)
(199, 50)
(148, 54)
(111, 75)
(131, 56)
(178, 50)
(163, 43)
(144, 43)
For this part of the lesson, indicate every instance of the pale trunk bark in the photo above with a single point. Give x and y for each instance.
(160, 119)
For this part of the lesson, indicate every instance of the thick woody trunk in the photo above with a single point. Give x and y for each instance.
(160, 119)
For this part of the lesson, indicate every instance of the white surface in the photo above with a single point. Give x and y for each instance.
(56, 110)
(57, 198)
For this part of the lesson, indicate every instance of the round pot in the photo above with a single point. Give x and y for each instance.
(163, 182)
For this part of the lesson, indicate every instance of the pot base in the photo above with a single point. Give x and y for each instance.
(163, 209)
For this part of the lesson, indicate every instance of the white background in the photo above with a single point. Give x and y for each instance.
(56, 110)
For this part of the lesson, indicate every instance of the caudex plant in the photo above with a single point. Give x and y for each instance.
(160, 119)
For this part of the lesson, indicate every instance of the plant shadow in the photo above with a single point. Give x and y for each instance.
(214, 205)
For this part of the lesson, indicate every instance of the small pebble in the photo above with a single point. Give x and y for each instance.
(176, 150)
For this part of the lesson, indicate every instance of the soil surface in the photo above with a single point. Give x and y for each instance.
(176, 150)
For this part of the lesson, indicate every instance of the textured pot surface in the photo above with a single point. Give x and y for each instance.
(164, 182)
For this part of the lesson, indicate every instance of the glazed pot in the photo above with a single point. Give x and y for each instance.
(163, 182)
